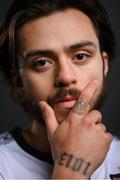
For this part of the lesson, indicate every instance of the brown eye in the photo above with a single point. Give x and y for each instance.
(40, 63)
(81, 57)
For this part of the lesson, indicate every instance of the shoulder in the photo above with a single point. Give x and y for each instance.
(113, 157)
(5, 142)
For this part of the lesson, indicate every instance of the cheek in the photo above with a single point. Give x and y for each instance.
(97, 74)
(35, 84)
(87, 74)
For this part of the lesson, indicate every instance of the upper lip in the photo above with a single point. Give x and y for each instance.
(66, 98)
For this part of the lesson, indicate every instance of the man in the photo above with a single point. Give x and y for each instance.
(55, 55)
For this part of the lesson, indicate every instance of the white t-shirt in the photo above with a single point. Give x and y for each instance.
(18, 160)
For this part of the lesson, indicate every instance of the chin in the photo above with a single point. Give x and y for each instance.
(61, 115)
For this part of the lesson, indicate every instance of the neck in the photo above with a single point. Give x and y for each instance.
(37, 137)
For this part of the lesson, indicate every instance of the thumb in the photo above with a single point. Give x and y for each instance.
(49, 117)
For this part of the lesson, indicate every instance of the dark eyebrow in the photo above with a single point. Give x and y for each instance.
(33, 53)
(50, 53)
(82, 45)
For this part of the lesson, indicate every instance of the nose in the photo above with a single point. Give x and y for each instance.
(65, 76)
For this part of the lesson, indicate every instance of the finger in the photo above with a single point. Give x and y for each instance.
(102, 126)
(109, 136)
(87, 99)
(49, 117)
(93, 117)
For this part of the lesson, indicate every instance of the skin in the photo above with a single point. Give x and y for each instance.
(66, 66)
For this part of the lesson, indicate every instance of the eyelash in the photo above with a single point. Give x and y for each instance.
(80, 60)
(41, 63)
(83, 57)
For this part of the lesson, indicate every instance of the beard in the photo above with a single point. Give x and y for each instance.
(30, 102)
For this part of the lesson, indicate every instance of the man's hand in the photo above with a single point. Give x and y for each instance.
(80, 143)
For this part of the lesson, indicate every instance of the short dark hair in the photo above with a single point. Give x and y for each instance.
(23, 11)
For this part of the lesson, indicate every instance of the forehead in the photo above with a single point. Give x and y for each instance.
(58, 30)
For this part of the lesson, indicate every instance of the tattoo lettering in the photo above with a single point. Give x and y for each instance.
(62, 159)
(74, 163)
(68, 164)
(77, 164)
(86, 168)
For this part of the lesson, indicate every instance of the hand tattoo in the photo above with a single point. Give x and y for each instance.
(80, 107)
(74, 163)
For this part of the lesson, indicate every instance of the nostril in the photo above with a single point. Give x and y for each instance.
(61, 84)
(65, 83)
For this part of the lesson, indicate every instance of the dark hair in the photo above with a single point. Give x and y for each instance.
(22, 11)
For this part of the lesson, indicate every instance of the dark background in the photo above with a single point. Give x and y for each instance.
(12, 115)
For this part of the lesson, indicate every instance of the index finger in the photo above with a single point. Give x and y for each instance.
(87, 99)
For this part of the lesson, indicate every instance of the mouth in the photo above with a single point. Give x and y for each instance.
(66, 102)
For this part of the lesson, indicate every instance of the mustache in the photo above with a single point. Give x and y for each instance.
(63, 93)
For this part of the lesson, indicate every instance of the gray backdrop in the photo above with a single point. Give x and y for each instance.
(12, 115)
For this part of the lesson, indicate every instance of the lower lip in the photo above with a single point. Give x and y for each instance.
(66, 104)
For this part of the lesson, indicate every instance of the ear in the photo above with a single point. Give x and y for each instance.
(105, 63)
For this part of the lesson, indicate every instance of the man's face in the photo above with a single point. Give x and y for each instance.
(61, 55)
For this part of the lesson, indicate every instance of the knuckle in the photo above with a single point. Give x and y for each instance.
(92, 117)
(107, 139)
(87, 121)
(109, 136)
(72, 121)
(97, 116)
(101, 127)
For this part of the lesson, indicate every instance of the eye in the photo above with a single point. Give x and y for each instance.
(81, 57)
(41, 63)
